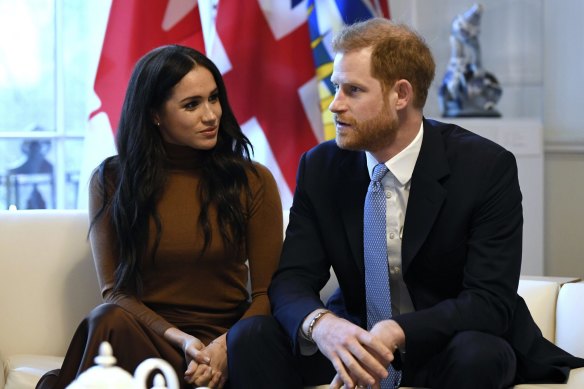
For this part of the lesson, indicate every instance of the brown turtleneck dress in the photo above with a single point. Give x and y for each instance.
(201, 295)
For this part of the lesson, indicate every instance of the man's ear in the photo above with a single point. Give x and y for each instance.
(405, 93)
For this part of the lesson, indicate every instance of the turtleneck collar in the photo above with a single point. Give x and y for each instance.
(182, 157)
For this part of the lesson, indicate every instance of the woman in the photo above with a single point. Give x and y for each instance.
(174, 217)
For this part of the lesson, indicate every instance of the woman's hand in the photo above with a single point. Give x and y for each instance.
(214, 374)
(197, 358)
(192, 347)
(217, 350)
(194, 350)
(202, 375)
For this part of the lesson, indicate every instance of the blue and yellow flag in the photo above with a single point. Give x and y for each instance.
(325, 18)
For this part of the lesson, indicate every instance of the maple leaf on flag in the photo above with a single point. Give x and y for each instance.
(134, 27)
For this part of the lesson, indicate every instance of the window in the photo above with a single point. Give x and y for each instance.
(49, 50)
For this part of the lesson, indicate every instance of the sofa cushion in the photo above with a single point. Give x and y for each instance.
(24, 371)
(540, 297)
(576, 381)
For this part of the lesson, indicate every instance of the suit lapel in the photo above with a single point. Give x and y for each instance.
(352, 186)
(426, 193)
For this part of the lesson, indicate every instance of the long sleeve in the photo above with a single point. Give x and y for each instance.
(201, 291)
(264, 239)
(103, 245)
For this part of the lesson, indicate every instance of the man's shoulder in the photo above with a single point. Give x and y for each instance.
(461, 140)
(328, 147)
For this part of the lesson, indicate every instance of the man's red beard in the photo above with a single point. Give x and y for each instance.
(369, 135)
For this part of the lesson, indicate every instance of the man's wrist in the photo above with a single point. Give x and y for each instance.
(310, 322)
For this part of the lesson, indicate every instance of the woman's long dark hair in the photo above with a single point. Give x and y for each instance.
(139, 167)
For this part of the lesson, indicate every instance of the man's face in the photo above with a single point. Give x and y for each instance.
(363, 115)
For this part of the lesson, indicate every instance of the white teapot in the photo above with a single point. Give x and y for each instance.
(105, 375)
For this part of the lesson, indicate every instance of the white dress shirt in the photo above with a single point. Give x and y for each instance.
(396, 184)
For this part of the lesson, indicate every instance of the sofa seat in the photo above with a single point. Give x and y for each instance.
(25, 370)
(48, 284)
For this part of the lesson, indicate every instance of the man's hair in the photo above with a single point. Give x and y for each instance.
(398, 53)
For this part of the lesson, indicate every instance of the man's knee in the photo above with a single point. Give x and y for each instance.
(481, 357)
(260, 355)
(474, 349)
(253, 332)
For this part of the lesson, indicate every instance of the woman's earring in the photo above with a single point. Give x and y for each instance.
(157, 124)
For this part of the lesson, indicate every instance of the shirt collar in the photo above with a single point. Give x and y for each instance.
(402, 164)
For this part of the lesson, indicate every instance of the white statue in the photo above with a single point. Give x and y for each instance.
(467, 89)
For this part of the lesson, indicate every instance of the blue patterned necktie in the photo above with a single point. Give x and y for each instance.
(378, 295)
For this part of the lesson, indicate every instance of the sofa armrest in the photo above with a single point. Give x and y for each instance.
(48, 282)
(2, 376)
(540, 297)
(570, 319)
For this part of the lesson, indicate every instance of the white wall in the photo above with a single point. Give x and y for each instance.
(564, 213)
(536, 50)
(563, 56)
(511, 38)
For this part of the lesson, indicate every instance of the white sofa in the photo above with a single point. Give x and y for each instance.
(48, 284)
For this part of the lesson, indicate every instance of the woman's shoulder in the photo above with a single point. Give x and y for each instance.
(260, 174)
(261, 180)
(105, 172)
(262, 169)
(263, 186)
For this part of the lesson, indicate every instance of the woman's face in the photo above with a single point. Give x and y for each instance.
(190, 117)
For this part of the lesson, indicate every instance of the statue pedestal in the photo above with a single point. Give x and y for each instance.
(524, 138)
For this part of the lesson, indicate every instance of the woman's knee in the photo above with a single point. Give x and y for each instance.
(108, 315)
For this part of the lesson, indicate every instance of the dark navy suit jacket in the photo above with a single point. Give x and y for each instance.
(461, 247)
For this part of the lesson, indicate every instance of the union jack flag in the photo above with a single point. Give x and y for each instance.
(276, 59)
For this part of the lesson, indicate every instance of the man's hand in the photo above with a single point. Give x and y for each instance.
(359, 357)
(390, 334)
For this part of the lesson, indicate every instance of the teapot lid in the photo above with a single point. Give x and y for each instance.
(105, 374)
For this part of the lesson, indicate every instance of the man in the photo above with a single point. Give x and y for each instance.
(446, 314)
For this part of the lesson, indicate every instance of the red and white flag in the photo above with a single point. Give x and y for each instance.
(274, 56)
(134, 27)
(262, 47)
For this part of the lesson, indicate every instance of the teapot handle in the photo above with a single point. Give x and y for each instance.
(145, 368)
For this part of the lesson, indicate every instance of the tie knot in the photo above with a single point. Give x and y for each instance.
(378, 172)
